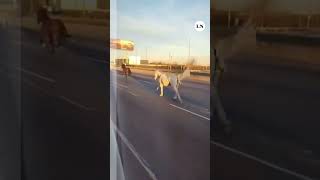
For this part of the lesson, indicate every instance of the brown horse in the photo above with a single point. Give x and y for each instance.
(53, 31)
(126, 70)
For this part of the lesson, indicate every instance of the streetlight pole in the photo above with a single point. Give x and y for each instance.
(146, 53)
(189, 51)
(83, 7)
(229, 17)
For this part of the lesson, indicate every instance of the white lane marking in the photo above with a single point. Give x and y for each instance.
(97, 60)
(121, 85)
(203, 117)
(75, 103)
(27, 82)
(132, 93)
(202, 109)
(142, 161)
(30, 83)
(146, 82)
(36, 75)
(261, 161)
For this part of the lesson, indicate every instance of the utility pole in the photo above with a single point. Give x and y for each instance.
(229, 18)
(136, 52)
(146, 53)
(189, 51)
(308, 21)
(169, 65)
(83, 7)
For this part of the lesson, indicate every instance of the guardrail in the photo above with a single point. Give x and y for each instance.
(289, 38)
(171, 67)
(195, 70)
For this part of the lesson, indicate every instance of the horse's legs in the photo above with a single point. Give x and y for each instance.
(161, 89)
(177, 94)
(51, 48)
(50, 45)
(42, 42)
(51, 41)
(56, 39)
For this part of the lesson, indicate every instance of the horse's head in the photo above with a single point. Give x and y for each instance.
(157, 74)
(42, 15)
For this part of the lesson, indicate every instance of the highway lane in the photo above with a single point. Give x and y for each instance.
(9, 113)
(170, 140)
(70, 86)
(229, 163)
(9, 134)
(64, 114)
(274, 109)
(62, 103)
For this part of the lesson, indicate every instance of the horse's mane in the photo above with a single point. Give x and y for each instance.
(157, 71)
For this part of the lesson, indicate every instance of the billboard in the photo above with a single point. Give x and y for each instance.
(122, 44)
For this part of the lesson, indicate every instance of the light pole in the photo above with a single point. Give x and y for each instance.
(189, 51)
(147, 52)
(83, 7)
(229, 17)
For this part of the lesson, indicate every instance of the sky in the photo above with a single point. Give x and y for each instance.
(162, 27)
(294, 6)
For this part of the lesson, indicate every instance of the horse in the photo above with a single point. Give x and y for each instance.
(53, 31)
(126, 71)
(171, 79)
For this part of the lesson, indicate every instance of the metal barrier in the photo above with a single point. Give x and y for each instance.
(170, 67)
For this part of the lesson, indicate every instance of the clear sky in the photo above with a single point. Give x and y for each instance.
(160, 27)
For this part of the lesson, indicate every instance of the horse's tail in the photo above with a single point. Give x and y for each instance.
(185, 74)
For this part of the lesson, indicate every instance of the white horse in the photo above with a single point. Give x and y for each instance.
(171, 79)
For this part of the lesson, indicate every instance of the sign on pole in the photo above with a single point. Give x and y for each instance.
(122, 44)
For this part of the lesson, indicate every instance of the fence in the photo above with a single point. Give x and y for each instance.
(234, 18)
(195, 69)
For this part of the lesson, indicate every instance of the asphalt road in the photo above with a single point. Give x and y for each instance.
(274, 109)
(60, 104)
(57, 106)
(62, 116)
(159, 137)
